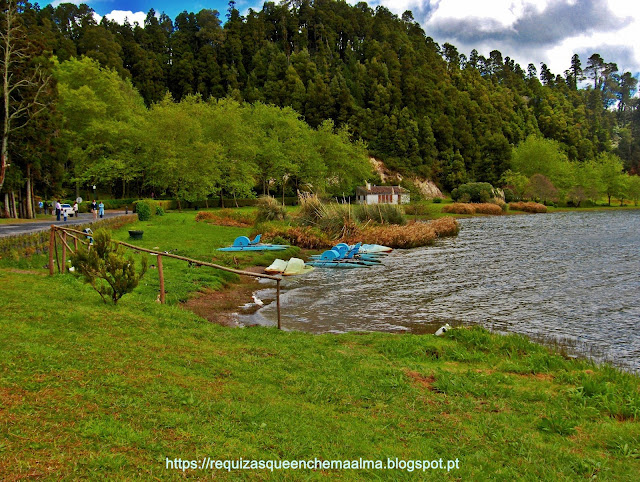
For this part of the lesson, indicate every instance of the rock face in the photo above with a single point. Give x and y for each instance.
(426, 187)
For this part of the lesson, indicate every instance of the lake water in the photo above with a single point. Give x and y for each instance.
(572, 278)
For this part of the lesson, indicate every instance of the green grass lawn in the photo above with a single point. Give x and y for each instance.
(89, 390)
(95, 391)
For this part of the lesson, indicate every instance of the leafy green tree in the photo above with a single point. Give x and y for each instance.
(515, 181)
(540, 188)
(633, 189)
(610, 173)
(180, 160)
(101, 118)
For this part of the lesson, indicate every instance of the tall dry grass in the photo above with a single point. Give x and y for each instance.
(411, 235)
(269, 209)
(473, 208)
(528, 207)
(301, 236)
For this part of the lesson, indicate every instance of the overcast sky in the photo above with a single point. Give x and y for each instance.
(549, 31)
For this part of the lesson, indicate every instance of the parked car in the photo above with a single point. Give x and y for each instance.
(68, 208)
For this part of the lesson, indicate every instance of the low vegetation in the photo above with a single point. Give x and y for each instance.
(411, 235)
(227, 217)
(473, 208)
(529, 207)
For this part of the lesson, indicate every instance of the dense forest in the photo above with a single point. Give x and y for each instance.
(425, 109)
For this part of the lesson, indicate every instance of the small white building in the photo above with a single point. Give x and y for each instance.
(382, 195)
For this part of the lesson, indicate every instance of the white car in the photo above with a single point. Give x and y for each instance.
(68, 208)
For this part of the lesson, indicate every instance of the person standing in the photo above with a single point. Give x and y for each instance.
(75, 210)
(94, 209)
(40, 205)
(101, 209)
(58, 209)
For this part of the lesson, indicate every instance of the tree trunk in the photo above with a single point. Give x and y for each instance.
(29, 200)
(6, 205)
(14, 211)
(234, 199)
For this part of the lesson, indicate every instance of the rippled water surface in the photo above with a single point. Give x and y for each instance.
(567, 277)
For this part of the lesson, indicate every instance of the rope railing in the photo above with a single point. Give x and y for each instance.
(62, 232)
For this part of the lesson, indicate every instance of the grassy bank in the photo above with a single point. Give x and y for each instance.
(90, 390)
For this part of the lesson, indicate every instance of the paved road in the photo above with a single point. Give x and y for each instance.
(42, 225)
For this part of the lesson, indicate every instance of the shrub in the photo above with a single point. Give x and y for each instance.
(105, 267)
(475, 192)
(143, 210)
(529, 207)
(159, 211)
(437, 200)
(270, 210)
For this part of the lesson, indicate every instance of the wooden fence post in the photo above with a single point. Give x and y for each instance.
(64, 251)
(161, 276)
(51, 248)
(278, 303)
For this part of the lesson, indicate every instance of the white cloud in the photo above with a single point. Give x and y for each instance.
(608, 27)
(119, 16)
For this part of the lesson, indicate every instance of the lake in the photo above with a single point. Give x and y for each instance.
(571, 278)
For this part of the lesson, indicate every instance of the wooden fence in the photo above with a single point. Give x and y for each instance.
(61, 233)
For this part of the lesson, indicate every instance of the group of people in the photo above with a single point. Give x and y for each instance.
(97, 209)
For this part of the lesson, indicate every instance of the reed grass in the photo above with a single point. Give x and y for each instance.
(473, 208)
(269, 209)
(529, 207)
(411, 235)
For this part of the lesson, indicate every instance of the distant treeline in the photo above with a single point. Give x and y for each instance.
(424, 108)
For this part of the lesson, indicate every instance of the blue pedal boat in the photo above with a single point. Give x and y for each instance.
(242, 243)
(335, 259)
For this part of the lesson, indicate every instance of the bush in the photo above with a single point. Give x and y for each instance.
(143, 210)
(475, 192)
(105, 267)
(529, 207)
(270, 210)
(159, 211)
(437, 200)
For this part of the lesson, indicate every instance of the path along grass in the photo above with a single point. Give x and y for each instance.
(91, 390)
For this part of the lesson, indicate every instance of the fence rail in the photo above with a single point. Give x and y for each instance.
(60, 232)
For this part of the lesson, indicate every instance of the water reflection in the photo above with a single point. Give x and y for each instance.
(564, 276)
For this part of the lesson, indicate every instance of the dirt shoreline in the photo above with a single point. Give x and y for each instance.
(220, 306)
